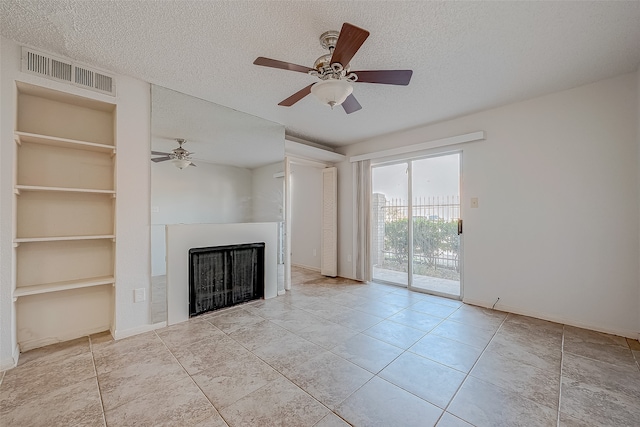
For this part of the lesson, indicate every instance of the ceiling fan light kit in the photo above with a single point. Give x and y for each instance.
(332, 92)
(180, 157)
(334, 73)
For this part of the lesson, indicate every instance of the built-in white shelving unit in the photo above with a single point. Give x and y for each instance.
(64, 233)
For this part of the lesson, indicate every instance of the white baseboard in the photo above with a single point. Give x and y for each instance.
(306, 267)
(12, 362)
(42, 342)
(627, 333)
(118, 335)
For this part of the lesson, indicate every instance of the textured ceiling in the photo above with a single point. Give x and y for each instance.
(466, 56)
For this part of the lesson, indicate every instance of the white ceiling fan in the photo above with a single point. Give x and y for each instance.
(179, 156)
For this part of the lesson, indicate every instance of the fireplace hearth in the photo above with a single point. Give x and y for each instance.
(223, 276)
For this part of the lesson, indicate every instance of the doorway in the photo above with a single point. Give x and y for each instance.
(415, 220)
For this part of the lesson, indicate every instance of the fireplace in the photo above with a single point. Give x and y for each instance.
(222, 276)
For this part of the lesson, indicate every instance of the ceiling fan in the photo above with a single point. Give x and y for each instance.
(178, 156)
(333, 70)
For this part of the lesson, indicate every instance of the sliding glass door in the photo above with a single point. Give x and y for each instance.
(415, 219)
(390, 223)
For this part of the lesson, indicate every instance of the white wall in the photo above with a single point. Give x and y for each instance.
(204, 194)
(132, 228)
(7, 122)
(556, 234)
(267, 193)
(306, 215)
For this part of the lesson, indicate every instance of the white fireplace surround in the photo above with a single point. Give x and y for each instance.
(182, 237)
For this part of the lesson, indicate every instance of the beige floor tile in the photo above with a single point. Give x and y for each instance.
(33, 381)
(528, 351)
(234, 320)
(416, 319)
(425, 378)
(185, 333)
(55, 352)
(295, 319)
(378, 308)
(483, 404)
(329, 378)
(95, 420)
(356, 320)
(77, 403)
(466, 334)
(395, 334)
(596, 405)
(447, 352)
(538, 385)
(203, 355)
(634, 345)
(279, 403)
(326, 334)
(332, 420)
(599, 346)
(259, 334)
(479, 317)
(565, 420)
(619, 379)
(119, 386)
(448, 420)
(229, 382)
(533, 324)
(441, 300)
(288, 352)
(116, 355)
(433, 309)
(380, 403)
(180, 403)
(366, 352)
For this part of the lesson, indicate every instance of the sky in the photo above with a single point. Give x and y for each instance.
(434, 176)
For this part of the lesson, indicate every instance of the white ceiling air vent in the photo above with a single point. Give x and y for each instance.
(45, 65)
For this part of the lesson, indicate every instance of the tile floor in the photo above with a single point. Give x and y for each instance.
(333, 353)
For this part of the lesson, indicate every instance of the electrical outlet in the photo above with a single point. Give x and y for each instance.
(138, 295)
(315, 252)
(349, 258)
(474, 202)
(155, 209)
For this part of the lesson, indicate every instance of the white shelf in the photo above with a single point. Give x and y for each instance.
(62, 142)
(61, 189)
(62, 238)
(62, 286)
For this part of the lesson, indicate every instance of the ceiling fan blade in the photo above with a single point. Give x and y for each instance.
(349, 41)
(351, 104)
(296, 96)
(387, 77)
(273, 63)
(159, 153)
(161, 159)
(192, 164)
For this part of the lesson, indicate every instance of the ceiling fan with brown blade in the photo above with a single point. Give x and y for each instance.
(333, 70)
(178, 156)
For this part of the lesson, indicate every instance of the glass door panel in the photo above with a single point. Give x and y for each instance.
(390, 224)
(435, 214)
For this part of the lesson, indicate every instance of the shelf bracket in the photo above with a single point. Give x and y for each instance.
(16, 244)
(17, 139)
(16, 191)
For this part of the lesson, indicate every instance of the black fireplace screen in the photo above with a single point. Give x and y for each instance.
(222, 276)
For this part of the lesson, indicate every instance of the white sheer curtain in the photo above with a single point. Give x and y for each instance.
(362, 170)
